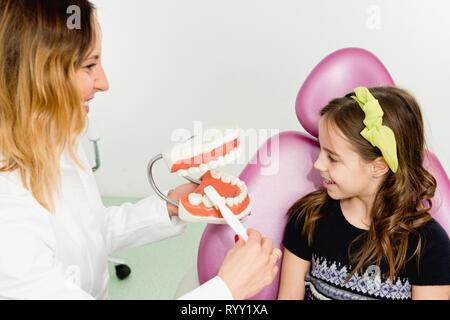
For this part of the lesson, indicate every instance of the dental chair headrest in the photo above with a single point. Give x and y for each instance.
(335, 76)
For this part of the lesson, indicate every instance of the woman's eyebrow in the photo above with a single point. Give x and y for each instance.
(95, 57)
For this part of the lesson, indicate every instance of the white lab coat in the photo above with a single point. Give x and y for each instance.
(64, 255)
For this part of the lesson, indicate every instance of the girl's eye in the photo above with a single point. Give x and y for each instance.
(89, 67)
(332, 160)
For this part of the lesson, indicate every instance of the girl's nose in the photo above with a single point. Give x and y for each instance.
(318, 165)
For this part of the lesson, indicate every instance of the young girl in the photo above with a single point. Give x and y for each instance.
(367, 234)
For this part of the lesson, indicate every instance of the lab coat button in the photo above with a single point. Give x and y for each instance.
(73, 275)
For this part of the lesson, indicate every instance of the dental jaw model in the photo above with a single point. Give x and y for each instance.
(198, 208)
(217, 147)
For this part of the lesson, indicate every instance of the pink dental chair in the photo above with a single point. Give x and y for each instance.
(272, 195)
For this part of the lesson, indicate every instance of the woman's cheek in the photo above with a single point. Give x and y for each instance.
(85, 84)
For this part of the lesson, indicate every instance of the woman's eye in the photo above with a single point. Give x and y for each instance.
(332, 160)
(89, 67)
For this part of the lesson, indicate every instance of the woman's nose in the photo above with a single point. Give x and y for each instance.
(102, 84)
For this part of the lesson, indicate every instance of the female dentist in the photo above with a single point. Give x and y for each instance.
(55, 233)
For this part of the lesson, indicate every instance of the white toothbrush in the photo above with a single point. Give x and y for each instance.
(228, 215)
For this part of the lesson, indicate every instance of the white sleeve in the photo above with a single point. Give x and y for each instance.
(214, 289)
(133, 225)
(28, 267)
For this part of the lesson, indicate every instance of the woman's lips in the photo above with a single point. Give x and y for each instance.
(86, 105)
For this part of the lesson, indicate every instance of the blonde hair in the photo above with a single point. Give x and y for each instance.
(41, 110)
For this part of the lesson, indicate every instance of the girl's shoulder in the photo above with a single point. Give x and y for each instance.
(432, 233)
(433, 263)
(329, 212)
(434, 241)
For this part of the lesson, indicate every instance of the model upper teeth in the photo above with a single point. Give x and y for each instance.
(196, 198)
(214, 164)
(86, 103)
(220, 141)
(193, 170)
(329, 181)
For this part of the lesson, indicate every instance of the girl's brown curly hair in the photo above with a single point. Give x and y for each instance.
(398, 209)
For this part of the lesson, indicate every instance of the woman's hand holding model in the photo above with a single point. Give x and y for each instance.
(248, 267)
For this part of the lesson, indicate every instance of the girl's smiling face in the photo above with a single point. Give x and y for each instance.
(339, 162)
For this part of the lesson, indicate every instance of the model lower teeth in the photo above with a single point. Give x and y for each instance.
(196, 198)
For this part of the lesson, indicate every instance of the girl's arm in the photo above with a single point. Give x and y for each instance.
(430, 292)
(293, 274)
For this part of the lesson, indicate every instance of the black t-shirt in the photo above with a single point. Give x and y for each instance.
(330, 266)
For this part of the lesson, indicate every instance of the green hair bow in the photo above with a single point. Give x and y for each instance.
(375, 132)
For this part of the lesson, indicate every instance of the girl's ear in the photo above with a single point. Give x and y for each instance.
(379, 167)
